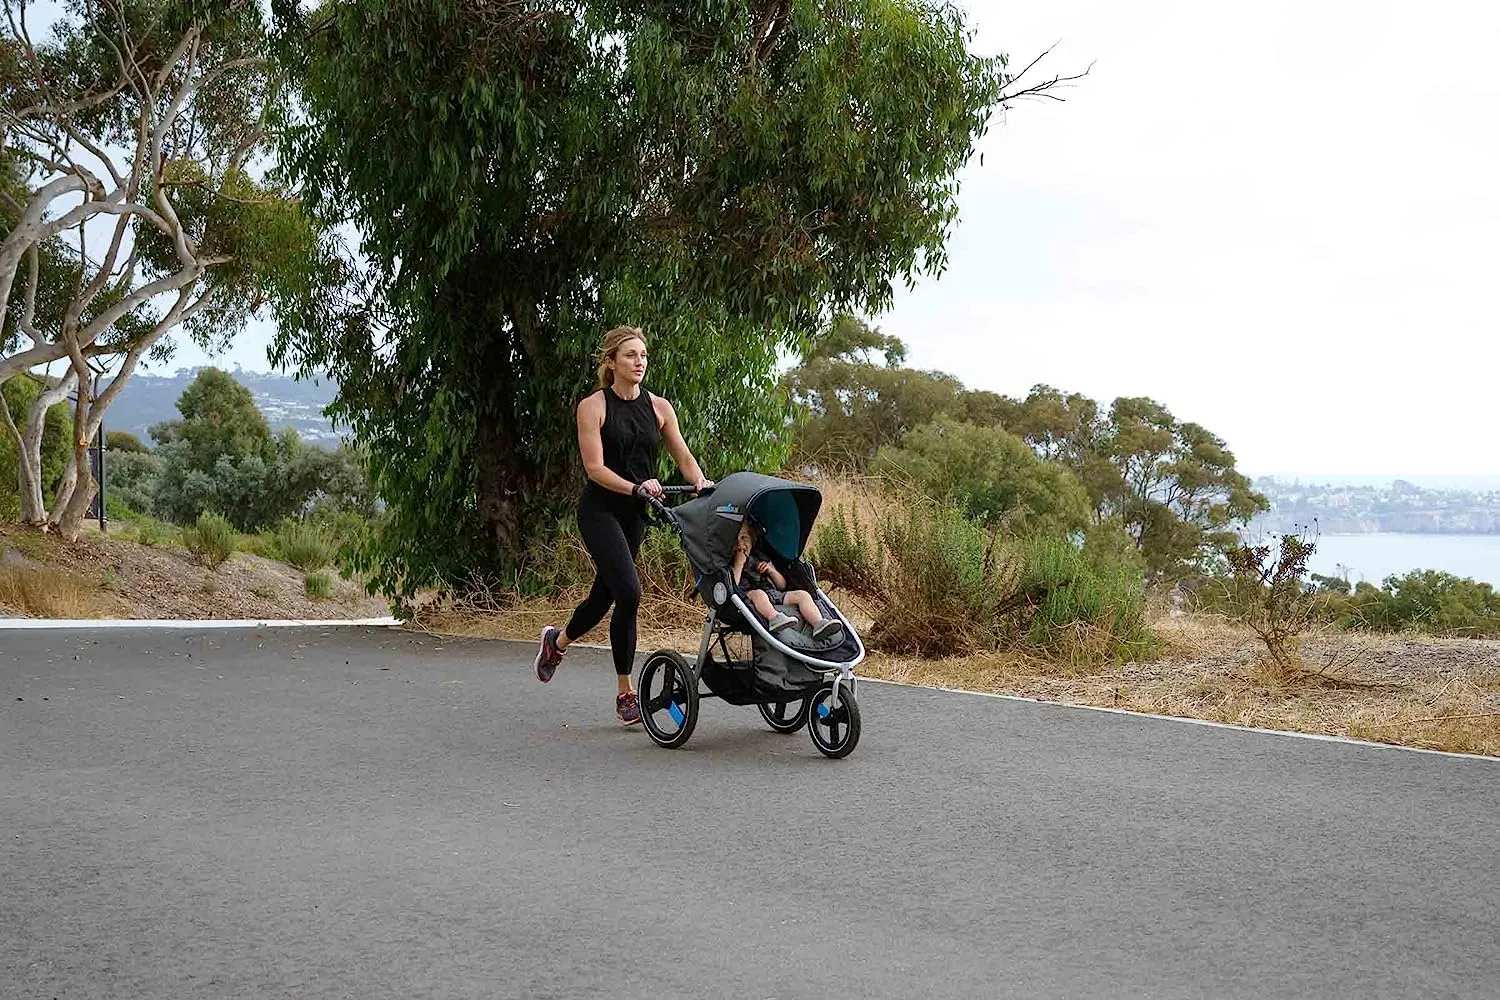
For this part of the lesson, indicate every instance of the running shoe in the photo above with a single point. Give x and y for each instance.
(548, 656)
(628, 708)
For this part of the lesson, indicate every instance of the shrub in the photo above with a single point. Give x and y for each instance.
(1266, 593)
(150, 532)
(45, 592)
(1423, 601)
(319, 586)
(842, 554)
(664, 567)
(304, 546)
(212, 540)
(1079, 610)
(941, 580)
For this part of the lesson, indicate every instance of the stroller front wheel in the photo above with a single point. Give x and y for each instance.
(785, 717)
(669, 698)
(834, 728)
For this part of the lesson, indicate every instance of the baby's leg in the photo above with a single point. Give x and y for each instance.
(762, 604)
(805, 605)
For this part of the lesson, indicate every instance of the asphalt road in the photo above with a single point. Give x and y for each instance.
(370, 814)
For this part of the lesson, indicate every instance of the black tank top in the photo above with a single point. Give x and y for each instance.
(630, 435)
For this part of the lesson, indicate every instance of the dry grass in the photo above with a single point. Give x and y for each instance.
(1432, 693)
(41, 592)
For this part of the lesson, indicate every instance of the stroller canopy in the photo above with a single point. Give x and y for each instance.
(784, 512)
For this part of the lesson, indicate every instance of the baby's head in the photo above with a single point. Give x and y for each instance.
(745, 541)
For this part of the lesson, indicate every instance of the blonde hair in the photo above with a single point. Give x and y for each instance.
(610, 346)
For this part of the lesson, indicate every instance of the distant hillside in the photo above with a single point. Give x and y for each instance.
(286, 402)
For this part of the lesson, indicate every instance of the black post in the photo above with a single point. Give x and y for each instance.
(100, 442)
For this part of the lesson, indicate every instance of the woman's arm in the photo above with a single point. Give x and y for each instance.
(591, 446)
(667, 420)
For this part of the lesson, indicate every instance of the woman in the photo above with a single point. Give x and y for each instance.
(620, 429)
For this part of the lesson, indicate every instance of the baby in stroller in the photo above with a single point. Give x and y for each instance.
(765, 586)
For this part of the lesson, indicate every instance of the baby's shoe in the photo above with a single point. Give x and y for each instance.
(827, 628)
(781, 622)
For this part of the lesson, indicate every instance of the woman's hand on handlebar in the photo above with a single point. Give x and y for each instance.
(703, 485)
(650, 489)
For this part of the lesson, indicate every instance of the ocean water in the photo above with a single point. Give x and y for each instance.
(1373, 557)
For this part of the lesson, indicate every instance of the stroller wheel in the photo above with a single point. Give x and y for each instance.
(785, 717)
(834, 728)
(669, 698)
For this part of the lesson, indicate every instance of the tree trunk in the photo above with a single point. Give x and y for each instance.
(29, 471)
(68, 514)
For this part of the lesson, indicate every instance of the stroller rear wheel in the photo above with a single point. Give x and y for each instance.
(834, 728)
(669, 698)
(785, 717)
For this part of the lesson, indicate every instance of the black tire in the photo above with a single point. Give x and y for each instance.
(834, 729)
(785, 717)
(669, 698)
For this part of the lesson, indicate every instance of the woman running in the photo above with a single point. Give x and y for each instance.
(620, 429)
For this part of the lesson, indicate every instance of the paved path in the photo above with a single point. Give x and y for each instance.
(372, 814)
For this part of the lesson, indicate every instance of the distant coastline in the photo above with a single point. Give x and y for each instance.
(1398, 507)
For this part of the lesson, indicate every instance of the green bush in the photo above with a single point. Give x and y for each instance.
(941, 579)
(260, 543)
(1421, 601)
(304, 546)
(212, 540)
(150, 532)
(1079, 609)
(842, 554)
(664, 567)
(319, 586)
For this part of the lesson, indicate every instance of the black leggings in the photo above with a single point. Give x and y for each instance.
(612, 530)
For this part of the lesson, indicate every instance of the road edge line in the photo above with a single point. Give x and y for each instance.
(87, 624)
(1319, 737)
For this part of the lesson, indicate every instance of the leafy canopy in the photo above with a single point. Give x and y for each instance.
(524, 176)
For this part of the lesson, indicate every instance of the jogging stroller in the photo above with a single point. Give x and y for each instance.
(794, 679)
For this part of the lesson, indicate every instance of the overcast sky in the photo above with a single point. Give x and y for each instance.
(1280, 220)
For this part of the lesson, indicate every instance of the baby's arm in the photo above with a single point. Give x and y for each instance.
(775, 575)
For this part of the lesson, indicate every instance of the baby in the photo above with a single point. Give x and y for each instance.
(769, 590)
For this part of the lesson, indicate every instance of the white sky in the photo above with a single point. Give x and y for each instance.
(1297, 186)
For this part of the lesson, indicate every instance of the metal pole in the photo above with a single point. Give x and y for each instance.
(102, 526)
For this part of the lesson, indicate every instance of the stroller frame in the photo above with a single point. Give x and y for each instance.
(829, 709)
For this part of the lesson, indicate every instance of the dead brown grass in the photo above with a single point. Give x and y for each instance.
(40, 592)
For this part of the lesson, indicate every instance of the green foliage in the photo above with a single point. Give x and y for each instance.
(255, 480)
(1082, 610)
(123, 441)
(842, 552)
(219, 420)
(991, 474)
(304, 546)
(1421, 601)
(319, 586)
(133, 479)
(150, 532)
(850, 407)
(211, 540)
(942, 581)
(720, 179)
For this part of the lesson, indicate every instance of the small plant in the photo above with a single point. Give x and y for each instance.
(304, 546)
(1267, 595)
(212, 540)
(150, 532)
(319, 586)
(109, 579)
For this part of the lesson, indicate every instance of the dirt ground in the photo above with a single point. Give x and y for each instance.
(105, 577)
